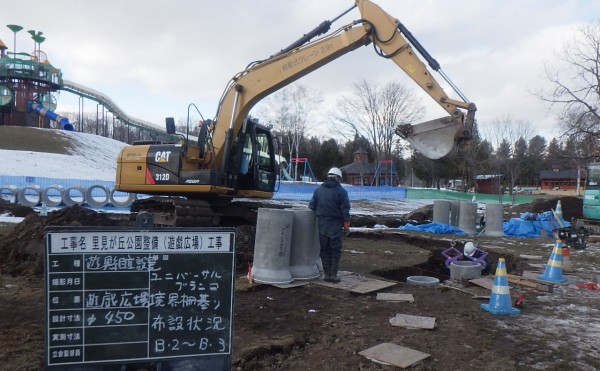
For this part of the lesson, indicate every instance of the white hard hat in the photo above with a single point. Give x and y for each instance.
(469, 249)
(334, 171)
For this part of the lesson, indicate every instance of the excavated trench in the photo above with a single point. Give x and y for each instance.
(431, 268)
(435, 264)
(21, 249)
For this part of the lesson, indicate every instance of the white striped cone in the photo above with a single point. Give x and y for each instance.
(554, 267)
(500, 300)
(559, 209)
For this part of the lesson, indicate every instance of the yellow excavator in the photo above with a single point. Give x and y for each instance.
(235, 155)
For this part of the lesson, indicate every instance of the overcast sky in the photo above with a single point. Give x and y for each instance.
(154, 58)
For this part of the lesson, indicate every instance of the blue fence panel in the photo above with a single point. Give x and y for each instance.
(304, 191)
(24, 181)
(296, 192)
(376, 193)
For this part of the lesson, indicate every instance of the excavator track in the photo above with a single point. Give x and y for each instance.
(182, 212)
(176, 212)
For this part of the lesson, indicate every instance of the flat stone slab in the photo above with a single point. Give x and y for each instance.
(392, 354)
(390, 296)
(410, 321)
(357, 284)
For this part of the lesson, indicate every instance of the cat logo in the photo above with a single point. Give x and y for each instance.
(162, 156)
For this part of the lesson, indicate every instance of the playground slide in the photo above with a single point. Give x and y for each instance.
(103, 99)
(89, 93)
(283, 166)
(285, 174)
(62, 121)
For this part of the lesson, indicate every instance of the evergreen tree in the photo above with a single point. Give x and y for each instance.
(554, 154)
(329, 155)
(358, 143)
(535, 160)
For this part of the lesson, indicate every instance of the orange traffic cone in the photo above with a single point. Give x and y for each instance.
(500, 302)
(554, 267)
(566, 259)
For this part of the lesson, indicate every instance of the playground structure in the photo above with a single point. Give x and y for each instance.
(29, 84)
(386, 174)
(293, 173)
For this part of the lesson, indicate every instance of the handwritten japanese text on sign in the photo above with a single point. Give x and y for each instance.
(123, 295)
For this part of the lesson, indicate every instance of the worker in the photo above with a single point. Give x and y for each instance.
(471, 252)
(332, 208)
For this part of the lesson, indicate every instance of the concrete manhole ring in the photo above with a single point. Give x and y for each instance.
(422, 280)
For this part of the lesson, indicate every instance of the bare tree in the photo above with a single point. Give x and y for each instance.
(290, 110)
(509, 137)
(375, 111)
(473, 159)
(576, 84)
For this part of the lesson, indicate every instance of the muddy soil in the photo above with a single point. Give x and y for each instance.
(313, 327)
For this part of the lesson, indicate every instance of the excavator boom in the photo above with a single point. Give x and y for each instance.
(436, 139)
(235, 155)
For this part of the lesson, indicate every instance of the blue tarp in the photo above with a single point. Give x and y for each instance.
(531, 225)
(439, 228)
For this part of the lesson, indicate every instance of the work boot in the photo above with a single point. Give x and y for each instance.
(335, 263)
(326, 269)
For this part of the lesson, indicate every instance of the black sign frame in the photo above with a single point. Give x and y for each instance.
(117, 296)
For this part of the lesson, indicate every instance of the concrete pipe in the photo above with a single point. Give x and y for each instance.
(9, 193)
(467, 217)
(422, 280)
(97, 195)
(494, 220)
(30, 195)
(53, 195)
(454, 213)
(121, 199)
(304, 251)
(441, 211)
(465, 270)
(74, 196)
(272, 246)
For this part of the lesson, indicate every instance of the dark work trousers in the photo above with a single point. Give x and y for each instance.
(331, 247)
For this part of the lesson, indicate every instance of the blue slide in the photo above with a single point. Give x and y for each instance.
(62, 121)
(286, 175)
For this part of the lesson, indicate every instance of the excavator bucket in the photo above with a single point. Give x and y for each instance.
(433, 139)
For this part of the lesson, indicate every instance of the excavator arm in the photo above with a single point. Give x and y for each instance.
(235, 156)
(434, 139)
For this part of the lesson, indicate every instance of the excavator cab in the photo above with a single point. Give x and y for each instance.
(255, 160)
(181, 169)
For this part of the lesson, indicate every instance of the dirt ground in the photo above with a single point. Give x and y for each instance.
(314, 327)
